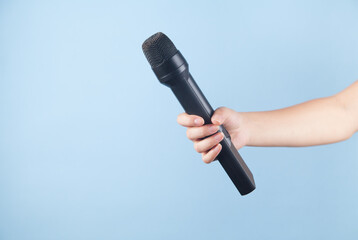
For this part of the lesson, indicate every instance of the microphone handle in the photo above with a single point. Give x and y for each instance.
(194, 103)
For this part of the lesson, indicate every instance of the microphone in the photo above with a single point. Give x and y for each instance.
(172, 70)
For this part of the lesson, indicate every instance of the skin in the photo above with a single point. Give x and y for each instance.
(316, 122)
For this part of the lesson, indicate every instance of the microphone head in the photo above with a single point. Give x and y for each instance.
(158, 48)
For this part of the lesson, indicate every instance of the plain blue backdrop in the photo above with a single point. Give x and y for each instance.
(90, 147)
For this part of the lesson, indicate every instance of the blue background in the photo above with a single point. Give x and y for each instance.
(90, 147)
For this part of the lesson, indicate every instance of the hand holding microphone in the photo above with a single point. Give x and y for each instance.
(205, 140)
(172, 70)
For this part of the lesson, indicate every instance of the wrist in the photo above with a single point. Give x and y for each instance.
(244, 128)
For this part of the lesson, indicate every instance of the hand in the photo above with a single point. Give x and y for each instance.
(210, 147)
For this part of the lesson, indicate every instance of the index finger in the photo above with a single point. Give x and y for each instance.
(187, 120)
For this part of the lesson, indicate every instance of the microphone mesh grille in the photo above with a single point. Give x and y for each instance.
(158, 48)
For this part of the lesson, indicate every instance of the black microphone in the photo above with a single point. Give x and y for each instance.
(172, 70)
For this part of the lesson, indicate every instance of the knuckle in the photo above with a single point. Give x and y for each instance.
(204, 131)
(205, 159)
(189, 134)
(182, 118)
(214, 140)
(179, 118)
(221, 110)
(196, 147)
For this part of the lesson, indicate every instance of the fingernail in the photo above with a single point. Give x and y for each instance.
(219, 137)
(197, 121)
(217, 147)
(217, 121)
(213, 129)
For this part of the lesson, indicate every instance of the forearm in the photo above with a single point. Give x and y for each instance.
(319, 121)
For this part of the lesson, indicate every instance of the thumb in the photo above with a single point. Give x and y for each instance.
(221, 115)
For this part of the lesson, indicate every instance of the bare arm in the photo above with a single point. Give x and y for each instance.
(320, 121)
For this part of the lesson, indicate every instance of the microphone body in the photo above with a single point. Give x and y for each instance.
(174, 73)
